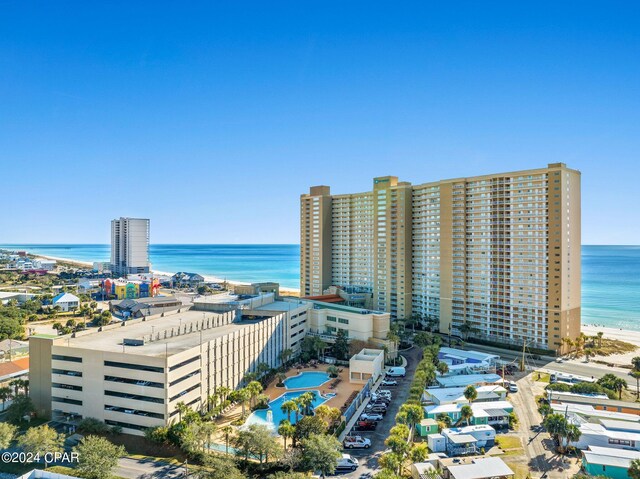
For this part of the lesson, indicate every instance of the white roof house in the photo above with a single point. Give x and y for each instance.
(481, 468)
(464, 362)
(66, 301)
(613, 434)
(598, 459)
(464, 380)
(480, 409)
(456, 395)
(587, 411)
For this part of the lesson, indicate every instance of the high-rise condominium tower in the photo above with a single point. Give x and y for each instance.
(130, 246)
(496, 257)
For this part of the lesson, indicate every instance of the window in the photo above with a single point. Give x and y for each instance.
(137, 382)
(66, 401)
(138, 367)
(60, 357)
(184, 363)
(343, 321)
(66, 372)
(331, 318)
(134, 396)
(66, 386)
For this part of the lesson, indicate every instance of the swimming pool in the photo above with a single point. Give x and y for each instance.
(308, 379)
(260, 416)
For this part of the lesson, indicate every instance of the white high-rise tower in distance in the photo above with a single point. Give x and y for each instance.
(130, 246)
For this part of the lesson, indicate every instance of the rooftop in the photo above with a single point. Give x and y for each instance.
(481, 468)
(111, 339)
(467, 379)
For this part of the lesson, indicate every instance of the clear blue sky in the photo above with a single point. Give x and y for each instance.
(212, 120)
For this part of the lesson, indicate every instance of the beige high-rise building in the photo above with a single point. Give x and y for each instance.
(494, 256)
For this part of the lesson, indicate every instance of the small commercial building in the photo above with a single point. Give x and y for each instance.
(367, 364)
(183, 278)
(460, 361)
(66, 301)
(257, 288)
(603, 404)
(608, 462)
(494, 413)
(138, 308)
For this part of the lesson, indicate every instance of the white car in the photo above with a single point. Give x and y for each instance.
(347, 462)
(559, 360)
(389, 382)
(383, 392)
(360, 442)
(513, 387)
(371, 416)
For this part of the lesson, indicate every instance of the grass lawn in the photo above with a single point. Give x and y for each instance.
(541, 377)
(521, 470)
(511, 445)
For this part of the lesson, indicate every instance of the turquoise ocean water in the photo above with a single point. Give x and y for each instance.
(610, 274)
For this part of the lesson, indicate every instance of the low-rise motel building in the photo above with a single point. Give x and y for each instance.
(133, 374)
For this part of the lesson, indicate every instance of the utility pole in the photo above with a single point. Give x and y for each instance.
(524, 345)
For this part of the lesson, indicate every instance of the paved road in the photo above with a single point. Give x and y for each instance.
(369, 457)
(147, 469)
(538, 446)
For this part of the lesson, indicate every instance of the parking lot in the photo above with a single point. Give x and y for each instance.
(368, 458)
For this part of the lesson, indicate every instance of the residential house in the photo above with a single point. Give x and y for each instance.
(66, 301)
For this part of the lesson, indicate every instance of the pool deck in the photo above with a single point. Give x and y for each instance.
(342, 391)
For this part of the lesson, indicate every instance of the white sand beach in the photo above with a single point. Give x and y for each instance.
(632, 337)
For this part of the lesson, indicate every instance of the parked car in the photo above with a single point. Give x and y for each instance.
(383, 392)
(351, 442)
(389, 382)
(513, 387)
(347, 462)
(376, 408)
(560, 360)
(376, 398)
(396, 372)
(371, 416)
(366, 425)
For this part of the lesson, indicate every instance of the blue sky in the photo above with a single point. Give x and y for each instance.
(211, 120)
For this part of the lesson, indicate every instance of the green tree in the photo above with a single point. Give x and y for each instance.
(288, 407)
(443, 368)
(544, 409)
(634, 469)
(40, 440)
(288, 475)
(257, 441)
(286, 430)
(333, 371)
(285, 355)
(20, 406)
(330, 415)
(470, 393)
(418, 452)
(217, 466)
(308, 426)
(5, 393)
(7, 433)
(254, 388)
(423, 339)
(556, 425)
(321, 453)
(341, 346)
(444, 421)
(306, 401)
(466, 413)
(227, 431)
(415, 414)
(97, 457)
(614, 383)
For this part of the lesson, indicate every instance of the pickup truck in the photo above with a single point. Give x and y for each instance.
(351, 442)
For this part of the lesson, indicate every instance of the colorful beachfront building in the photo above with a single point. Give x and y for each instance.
(124, 289)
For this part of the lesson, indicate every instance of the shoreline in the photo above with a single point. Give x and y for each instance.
(207, 278)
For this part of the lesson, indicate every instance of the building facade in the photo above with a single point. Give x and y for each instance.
(494, 256)
(130, 246)
(134, 376)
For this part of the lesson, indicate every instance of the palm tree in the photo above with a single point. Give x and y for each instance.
(572, 433)
(281, 377)
(286, 430)
(470, 393)
(223, 392)
(182, 408)
(634, 469)
(600, 335)
(17, 385)
(567, 342)
(285, 355)
(636, 375)
(466, 329)
(5, 393)
(262, 369)
(466, 413)
(444, 421)
(635, 362)
(253, 388)
(333, 371)
(443, 368)
(306, 401)
(243, 396)
(288, 407)
(227, 430)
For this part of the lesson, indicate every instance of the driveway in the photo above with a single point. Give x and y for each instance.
(147, 469)
(369, 457)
